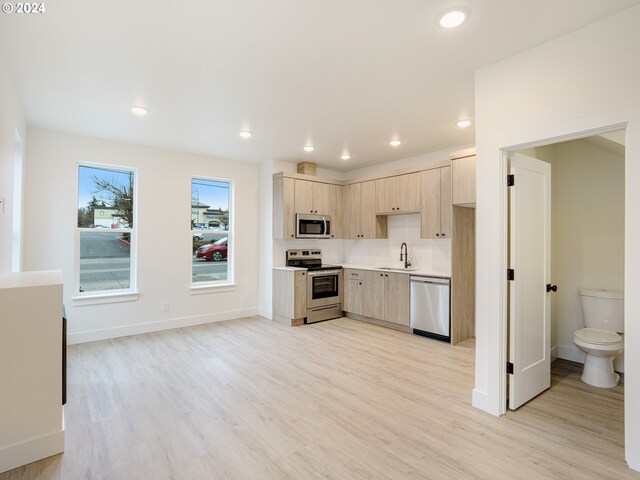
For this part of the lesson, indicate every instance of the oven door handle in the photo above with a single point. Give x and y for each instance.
(324, 273)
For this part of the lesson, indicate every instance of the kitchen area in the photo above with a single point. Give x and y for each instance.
(395, 249)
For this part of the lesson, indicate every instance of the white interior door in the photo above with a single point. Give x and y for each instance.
(530, 260)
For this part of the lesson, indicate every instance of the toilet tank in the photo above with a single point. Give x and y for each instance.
(603, 309)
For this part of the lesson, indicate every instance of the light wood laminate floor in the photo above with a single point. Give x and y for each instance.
(253, 399)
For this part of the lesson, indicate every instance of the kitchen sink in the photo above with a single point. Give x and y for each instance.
(395, 269)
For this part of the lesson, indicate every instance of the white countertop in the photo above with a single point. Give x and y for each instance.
(376, 268)
(290, 269)
(31, 279)
(420, 271)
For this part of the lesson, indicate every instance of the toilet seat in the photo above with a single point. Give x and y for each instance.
(595, 336)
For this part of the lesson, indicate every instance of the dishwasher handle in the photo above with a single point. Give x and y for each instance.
(433, 280)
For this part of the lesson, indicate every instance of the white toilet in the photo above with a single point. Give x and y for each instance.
(603, 316)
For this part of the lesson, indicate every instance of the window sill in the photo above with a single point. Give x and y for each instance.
(204, 289)
(103, 298)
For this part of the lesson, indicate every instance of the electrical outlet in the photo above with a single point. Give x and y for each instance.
(165, 307)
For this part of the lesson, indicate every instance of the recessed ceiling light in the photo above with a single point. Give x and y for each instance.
(245, 134)
(309, 148)
(452, 18)
(345, 156)
(395, 143)
(463, 123)
(140, 111)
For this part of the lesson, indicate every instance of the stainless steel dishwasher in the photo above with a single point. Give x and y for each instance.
(430, 307)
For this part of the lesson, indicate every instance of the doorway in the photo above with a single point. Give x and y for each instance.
(584, 249)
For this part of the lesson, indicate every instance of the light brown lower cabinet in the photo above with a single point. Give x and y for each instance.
(355, 291)
(378, 295)
(289, 296)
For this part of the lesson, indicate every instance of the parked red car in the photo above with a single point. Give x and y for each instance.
(215, 251)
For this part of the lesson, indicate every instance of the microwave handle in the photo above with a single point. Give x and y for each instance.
(325, 225)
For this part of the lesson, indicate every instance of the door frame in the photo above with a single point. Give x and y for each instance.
(504, 237)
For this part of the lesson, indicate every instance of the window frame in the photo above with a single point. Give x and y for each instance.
(113, 295)
(216, 285)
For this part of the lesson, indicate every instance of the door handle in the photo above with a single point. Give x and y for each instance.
(552, 288)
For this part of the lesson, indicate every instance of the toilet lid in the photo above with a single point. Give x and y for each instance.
(597, 336)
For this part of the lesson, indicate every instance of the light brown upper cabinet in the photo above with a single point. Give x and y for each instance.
(360, 218)
(464, 180)
(284, 217)
(399, 194)
(311, 197)
(435, 186)
(336, 210)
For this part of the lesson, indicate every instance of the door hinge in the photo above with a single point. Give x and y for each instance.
(511, 180)
(510, 368)
(510, 274)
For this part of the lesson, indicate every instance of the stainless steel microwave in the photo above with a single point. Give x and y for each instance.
(313, 226)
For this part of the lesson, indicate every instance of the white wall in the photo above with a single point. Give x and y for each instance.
(583, 81)
(164, 238)
(11, 121)
(407, 162)
(266, 239)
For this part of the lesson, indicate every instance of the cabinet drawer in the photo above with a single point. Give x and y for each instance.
(351, 273)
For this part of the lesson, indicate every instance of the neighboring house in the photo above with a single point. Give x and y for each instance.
(107, 217)
(202, 214)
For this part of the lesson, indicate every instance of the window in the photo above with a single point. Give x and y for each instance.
(212, 232)
(105, 233)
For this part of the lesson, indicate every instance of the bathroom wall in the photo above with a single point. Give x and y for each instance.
(587, 231)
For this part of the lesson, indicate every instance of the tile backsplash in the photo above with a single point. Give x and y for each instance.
(426, 254)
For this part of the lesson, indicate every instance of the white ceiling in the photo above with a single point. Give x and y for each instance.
(341, 74)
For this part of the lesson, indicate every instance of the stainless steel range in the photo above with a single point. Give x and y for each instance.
(324, 284)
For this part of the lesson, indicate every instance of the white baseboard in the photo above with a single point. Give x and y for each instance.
(15, 456)
(573, 354)
(554, 353)
(479, 400)
(137, 328)
(263, 312)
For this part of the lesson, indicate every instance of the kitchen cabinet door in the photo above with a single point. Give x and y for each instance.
(386, 195)
(353, 207)
(396, 296)
(369, 227)
(408, 193)
(399, 194)
(446, 209)
(284, 218)
(376, 296)
(336, 210)
(304, 196)
(464, 180)
(355, 291)
(436, 209)
(321, 198)
(430, 208)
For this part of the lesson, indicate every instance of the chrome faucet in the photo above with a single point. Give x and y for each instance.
(407, 263)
